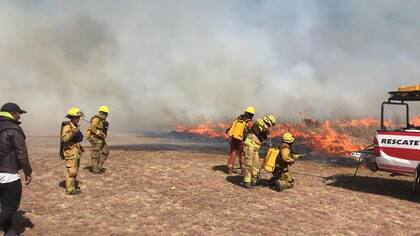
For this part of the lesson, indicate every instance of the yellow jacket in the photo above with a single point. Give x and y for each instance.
(286, 154)
(96, 129)
(70, 148)
(261, 126)
(252, 141)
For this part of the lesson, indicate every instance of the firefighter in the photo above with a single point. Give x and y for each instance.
(282, 179)
(257, 135)
(236, 134)
(96, 134)
(70, 148)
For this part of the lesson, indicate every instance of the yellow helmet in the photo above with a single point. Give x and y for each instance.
(288, 138)
(74, 112)
(250, 110)
(103, 109)
(270, 120)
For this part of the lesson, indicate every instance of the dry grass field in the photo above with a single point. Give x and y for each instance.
(134, 196)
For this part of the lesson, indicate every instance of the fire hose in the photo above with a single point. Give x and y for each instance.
(358, 162)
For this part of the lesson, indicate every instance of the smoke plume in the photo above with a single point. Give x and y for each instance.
(161, 63)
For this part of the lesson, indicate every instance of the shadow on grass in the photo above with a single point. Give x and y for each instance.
(265, 182)
(396, 188)
(20, 222)
(89, 168)
(62, 184)
(235, 179)
(222, 168)
(238, 180)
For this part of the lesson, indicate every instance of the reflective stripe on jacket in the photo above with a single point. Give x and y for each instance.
(252, 141)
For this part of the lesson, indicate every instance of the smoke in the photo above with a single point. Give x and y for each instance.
(160, 63)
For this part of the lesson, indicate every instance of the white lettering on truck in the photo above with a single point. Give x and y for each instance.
(400, 142)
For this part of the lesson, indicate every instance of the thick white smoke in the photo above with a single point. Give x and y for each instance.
(160, 63)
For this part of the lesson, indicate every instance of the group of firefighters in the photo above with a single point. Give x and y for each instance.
(246, 138)
(14, 155)
(71, 149)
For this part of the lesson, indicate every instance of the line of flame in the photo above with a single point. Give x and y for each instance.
(336, 137)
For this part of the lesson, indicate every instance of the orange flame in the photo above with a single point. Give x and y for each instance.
(415, 121)
(336, 137)
(329, 136)
(206, 128)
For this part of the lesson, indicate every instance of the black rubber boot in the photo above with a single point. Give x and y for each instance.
(277, 186)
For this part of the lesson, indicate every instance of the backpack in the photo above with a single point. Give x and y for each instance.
(270, 159)
(61, 142)
(237, 129)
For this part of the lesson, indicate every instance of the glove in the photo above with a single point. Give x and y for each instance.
(296, 156)
(77, 137)
(105, 129)
(100, 134)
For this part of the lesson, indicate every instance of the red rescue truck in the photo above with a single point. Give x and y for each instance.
(396, 150)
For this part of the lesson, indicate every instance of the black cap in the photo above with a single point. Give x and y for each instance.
(12, 107)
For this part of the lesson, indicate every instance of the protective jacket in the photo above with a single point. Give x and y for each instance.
(13, 151)
(249, 123)
(257, 134)
(260, 129)
(98, 128)
(70, 140)
(287, 157)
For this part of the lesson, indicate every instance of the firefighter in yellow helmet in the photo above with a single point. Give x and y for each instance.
(70, 148)
(96, 134)
(236, 135)
(282, 179)
(258, 134)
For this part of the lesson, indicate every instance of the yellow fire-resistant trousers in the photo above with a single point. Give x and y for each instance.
(252, 165)
(285, 180)
(72, 164)
(99, 154)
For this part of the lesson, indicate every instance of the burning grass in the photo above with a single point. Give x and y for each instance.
(335, 137)
(331, 137)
